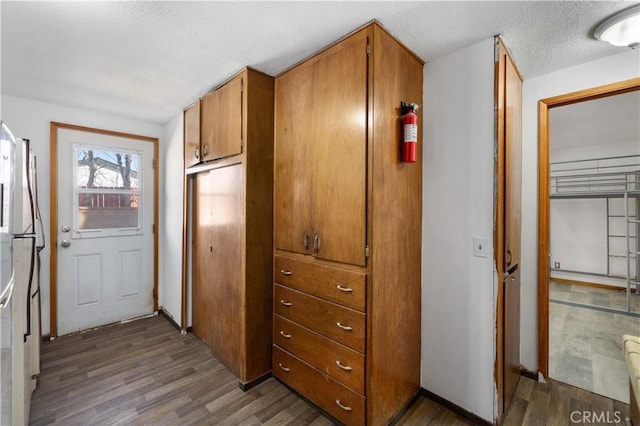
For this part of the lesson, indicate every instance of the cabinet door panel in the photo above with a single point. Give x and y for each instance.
(222, 121)
(513, 165)
(338, 134)
(201, 275)
(218, 299)
(192, 135)
(293, 187)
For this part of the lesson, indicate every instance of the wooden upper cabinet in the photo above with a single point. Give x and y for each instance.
(513, 165)
(192, 135)
(321, 140)
(221, 125)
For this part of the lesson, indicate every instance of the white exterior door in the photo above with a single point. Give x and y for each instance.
(105, 242)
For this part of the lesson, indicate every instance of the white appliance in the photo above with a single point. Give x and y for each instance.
(21, 240)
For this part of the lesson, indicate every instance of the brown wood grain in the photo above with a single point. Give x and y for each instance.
(323, 281)
(221, 121)
(321, 352)
(321, 154)
(395, 215)
(258, 209)
(321, 316)
(318, 387)
(293, 183)
(192, 134)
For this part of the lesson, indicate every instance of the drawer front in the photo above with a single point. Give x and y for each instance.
(336, 322)
(344, 287)
(340, 362)
(339, 401)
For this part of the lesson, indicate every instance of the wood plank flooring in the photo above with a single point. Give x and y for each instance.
(145, 372)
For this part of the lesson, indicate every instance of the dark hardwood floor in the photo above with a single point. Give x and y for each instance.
(145, 372)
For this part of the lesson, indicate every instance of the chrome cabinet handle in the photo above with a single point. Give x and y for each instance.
(316, 243)
(205, 150)
(196, 152)
(283, 367)
(66, 228)
(508, 259)
(344, 327)
(305, 241)
(345, 289)
(65, 243)
(285, 303)
(285, 335)
(284, 272)
(344, 367)
(344, 407)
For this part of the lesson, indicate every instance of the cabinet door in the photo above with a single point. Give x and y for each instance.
(320, 183)
(511, 335)
(192, 135)
(293, 187)
(513, 165)
(217, 296)
(222, 121)
(338, 134)
(201, 272)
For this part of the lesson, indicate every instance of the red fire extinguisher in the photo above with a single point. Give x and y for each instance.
(409, 132)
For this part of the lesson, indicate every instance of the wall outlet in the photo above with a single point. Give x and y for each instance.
(556, 265)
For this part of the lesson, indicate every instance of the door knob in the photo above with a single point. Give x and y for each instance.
(66, 228)
(65, 243)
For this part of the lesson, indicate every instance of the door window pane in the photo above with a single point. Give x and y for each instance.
(107, 186)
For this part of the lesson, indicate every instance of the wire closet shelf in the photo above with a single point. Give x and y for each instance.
(605, 177)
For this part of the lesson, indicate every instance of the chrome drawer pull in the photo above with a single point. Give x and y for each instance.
(285, 335)
(344, 407)
(285, 303)
(283, 367)
(344, 367)
(345, 289)
(344, 327)
(283, 272)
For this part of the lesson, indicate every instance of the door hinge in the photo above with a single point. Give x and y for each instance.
(366, 251)
(153, 228)
(368, 49)
(154, 163)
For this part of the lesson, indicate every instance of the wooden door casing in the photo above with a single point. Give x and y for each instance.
(221, 123)
(192, 135)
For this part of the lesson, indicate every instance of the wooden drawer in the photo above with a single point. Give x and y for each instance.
(336, 322)
(336, 399)
(344, 287)
(340, 362)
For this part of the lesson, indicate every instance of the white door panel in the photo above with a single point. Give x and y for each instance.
(105, 229)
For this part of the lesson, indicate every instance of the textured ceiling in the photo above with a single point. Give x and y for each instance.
(148, 60)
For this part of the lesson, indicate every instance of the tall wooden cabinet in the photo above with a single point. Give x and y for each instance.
(508, 224)
(348, 229)
(232, 224)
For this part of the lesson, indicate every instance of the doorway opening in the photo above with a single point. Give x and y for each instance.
(589, 191)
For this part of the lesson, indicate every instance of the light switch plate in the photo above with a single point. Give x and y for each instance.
(480, 246)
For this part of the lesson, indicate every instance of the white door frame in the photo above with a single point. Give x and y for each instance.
(53, 225)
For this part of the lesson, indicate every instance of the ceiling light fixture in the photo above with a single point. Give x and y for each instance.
(621, 29)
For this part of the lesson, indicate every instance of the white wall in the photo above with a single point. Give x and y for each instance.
(612, 69)
(458, 292)
(171, 227)
(31, 119)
